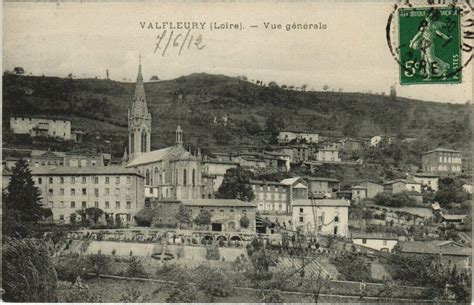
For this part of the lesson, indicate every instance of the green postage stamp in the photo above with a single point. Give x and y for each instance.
(430, 45)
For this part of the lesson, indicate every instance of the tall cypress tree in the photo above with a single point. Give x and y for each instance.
(22, 200)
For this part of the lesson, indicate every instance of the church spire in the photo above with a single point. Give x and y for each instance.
(139, 95)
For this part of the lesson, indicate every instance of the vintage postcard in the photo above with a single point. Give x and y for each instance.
(237, 151)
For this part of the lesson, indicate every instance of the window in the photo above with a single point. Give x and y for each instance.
(51, 204)
(73, 180)
(301, 210)
(61, 180)
(117, 180)
(301, 219)
(73, 205)
(84, 204)
(84, 191)
(107, 205)
(117, 204)
(127, 191)
(107, 191)
(107, 180)
(94, 163)
(129, 205)
(364, 240)
(96, 180)
(61, 217)
(84, 180)
(61, 204)
(117, 191)
(40, 181)
(50, 191)
(50, 179)
(336, 219)
(96, 204)
(61, 192)
(128, 180)
(128, 217)
(96, 192)
(185, 177)
(194, 177)
(385, 242)
(147, 177)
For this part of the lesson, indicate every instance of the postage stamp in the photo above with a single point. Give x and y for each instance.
(430, 45)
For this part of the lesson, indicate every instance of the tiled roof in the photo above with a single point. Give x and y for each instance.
(434, 247)
(321, 179)
(453, 217)
(322, 202)
(364, 235)
(99, 170)
(214, 161)
(154, 156)
(440, 149)
(218, 203)
(252, 181)
(289, 181)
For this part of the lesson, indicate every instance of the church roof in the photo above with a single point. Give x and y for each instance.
(139, 106)
(173, 153)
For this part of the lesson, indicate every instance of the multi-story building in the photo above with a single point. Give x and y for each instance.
(286, 136)
(442, 161)
(366, 189)
(328, 155)
(427, 180)
(271, 196)
(402, 185)
(321, 186)
(36, 126)
(116, 190)
(321, 216)
(217, 168)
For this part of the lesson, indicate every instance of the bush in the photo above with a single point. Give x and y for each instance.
(135, 267)
(68, 270)
(213, 282)
(182, 293)
(244, 221)
(212, 253)
(98, 264)
(353, 268)
(28, 274)
(402, 199)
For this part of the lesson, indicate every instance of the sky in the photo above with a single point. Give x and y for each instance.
(86, 39)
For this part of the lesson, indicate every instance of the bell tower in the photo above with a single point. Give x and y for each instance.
(139, 120)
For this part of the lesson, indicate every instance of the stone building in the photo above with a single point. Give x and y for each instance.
(321, 186)
(171, 172)
(116, 190)
(271, 196)
(286, 136)
(321, 216)
(36, 127)
(442, 161)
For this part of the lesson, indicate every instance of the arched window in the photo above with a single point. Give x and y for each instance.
(176, 176)
(163, 177)
(194, 177)
(157, 176)
(132, 142)
(184, 177)
(147, 177)
(143, 141)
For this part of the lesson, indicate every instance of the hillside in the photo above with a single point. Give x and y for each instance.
(100, 107)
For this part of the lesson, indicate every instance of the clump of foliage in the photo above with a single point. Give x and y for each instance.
(353, 267)
(236, 185)
(98, 264)
(213, 282)
(449, 191)
(182, 293)
(203, 218)
(184, 215)
(135, 267)
(244, 221)
(212, 253)
(28, 274)
(402, 199)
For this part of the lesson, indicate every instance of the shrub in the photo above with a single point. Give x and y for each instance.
(213, 282)
(182, 293)
(28, 273)
(212, 253)
(135, 267)
(353, 268)
(68, 270)
(98, 264)
(244, 221)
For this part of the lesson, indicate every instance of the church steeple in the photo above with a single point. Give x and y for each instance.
(139, 120)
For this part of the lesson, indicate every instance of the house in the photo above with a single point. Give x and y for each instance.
(322, 186)
(116, 190)
(321, 216)
(377, 241)
(442, 161)
(298, 153)
(450, 252)
(298, 188)
(271, 196)
(344, 194)
(467, 187)
(217, 168)
(402, 185)
(38, 126)
(428, 181)
(281, 156)
(377, 139)
(358, 193)
(287, 136)
(453, 219)
(328, 155)
(351, 144)
(366, 189)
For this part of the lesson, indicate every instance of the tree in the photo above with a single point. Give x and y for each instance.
(325, 87)
(22, 207)
(94, 213)
(19, 70)
(182, 292)
(244, 221)
(274, 124)
(154, 78)
(135, 267)
(203, 218)
(184, 215)
(213, 282)
(449, 191)
(27, 271)
(98, 264)
(272, 85)
(236, 185)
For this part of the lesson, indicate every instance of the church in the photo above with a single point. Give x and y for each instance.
(171, 173)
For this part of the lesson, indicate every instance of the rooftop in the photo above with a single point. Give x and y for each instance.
(322, 202)
(253, 181)
(218, 203)
(78, 171)
(364, 235)
(453, 217)
(321, 179)
(434, 247)
(440, 149)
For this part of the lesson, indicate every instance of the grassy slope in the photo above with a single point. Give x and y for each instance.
(192, 101)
